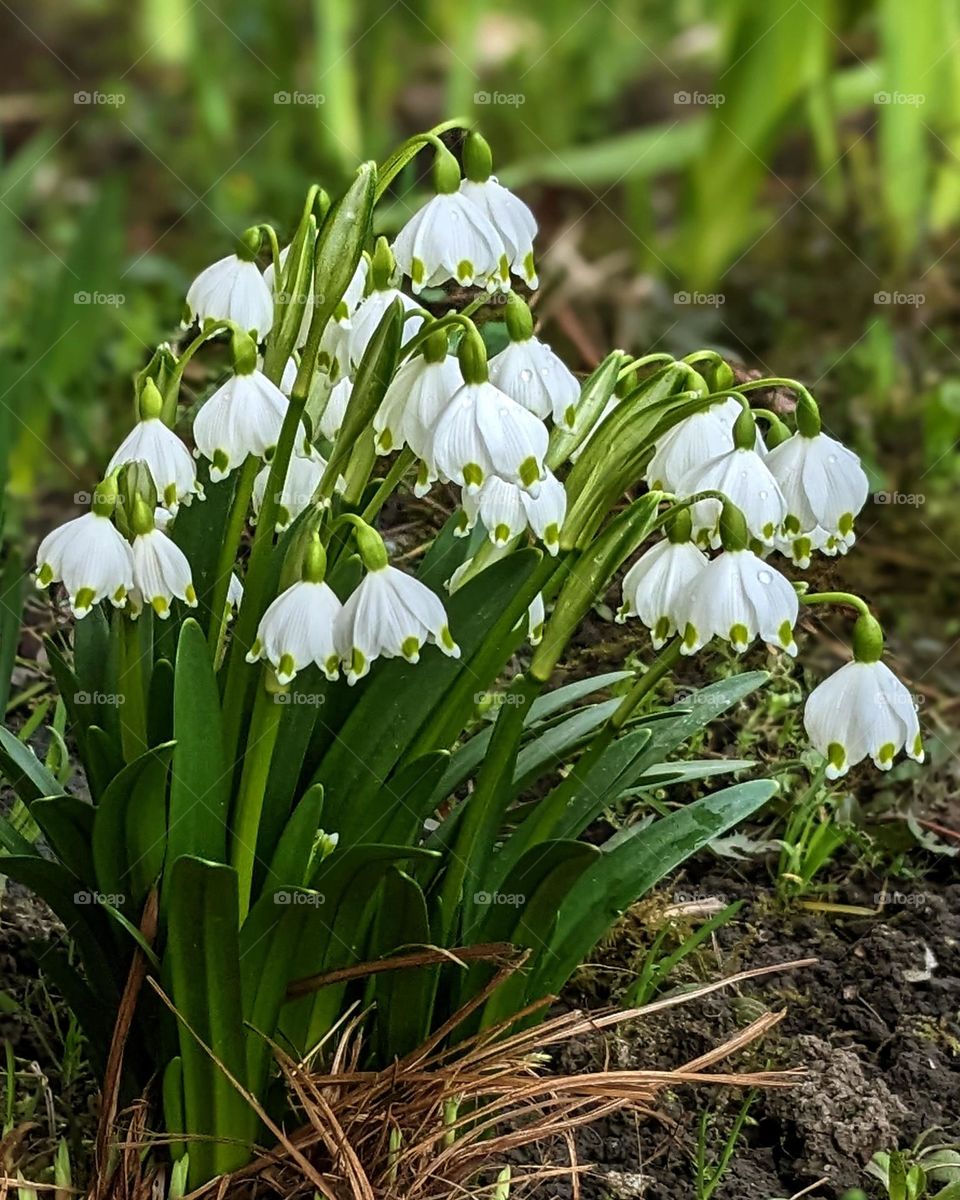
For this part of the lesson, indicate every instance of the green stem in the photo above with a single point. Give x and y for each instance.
(172, 389)
(445, 322)
(404, 460)
(133, 716)
(757, 385)
(264, 726)
(228, 549)
(836, 598)
(662, 665)
(645, 360)
(392, 167)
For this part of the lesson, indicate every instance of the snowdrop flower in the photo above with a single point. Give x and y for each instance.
(417, 396)
(167, 459)
(388, 614)
(242, 417)
(232, 289)
(335, 409)
(450, 238)
(507, 510)
(692, 442)
(483, 432)
(742, 476)
(234, 595)
(160, 568)
(508, 214)
(536, 619)
(303, 474)
(823, 484)
(658, 586)
(530, 373)
(364, 322)
(89, 556)
(298, 627)
(863, 709)
(738, 597)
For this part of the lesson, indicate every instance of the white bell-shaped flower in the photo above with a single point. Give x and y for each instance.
(450, 238)
(242, 417)
(298, 627)
(232, 289)
(369, 314)
(335, 409)
(692, 442)
(507, 213)
(536, 619)
(862, 709)
(161, 571)
(530, 373)
(304, 473)
(824, 487)
(418, 395)
(507, 510)
(89, 556)
(168, 460)
(743, 477)
(234, 595)
(388, 614)
(738, 597)
(658, 586)
(483, 432)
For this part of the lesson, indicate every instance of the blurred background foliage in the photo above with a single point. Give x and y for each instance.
(776, 178)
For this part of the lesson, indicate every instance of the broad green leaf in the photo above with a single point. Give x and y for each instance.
(67, 824)
(404, 803)
(21, 768)
(291, 860)
(622, 875)
(203, 960)
(200, 782)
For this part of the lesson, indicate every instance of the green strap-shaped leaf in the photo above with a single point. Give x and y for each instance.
(129, 830)
(160, 703)
(200, 782)
(404, 803)
(622, 875)
(67, 824)
(25, 773)
(404, 999)
(293, 855)
(203, 962)
(173, 1115)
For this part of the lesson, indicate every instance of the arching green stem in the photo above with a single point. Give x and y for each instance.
(392, 167)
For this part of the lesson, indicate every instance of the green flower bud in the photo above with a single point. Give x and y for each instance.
(519, 319)
(867, 639)
(243, 350)
(105, 496)
(142, 519)
(382, 265)
(248, 245)
(446, 171)
(734, 534)
(477, 157)
(473, 357)
(151, 402)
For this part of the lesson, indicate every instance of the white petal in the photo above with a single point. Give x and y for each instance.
(233, 289)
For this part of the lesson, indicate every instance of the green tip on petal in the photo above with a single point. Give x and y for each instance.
(529, 267)
(221, 461)
(529, 472)
(385, 442)
(785, 633)
(45, 575)
(472, 475)
(161, 606)
(501, 534)
(255, 651)
(917, 748)
(551, 535)
(845, 524)
(170, 495)
(447, 642)
(739, 637)
(358, 662)
(690, 638)
(190, 595)
(465, 271)
(886, 753)
(410, 649)
(84, 599)
(286, 668)
(661, 631)
(418, 272)
(836, 757)
(331, 667)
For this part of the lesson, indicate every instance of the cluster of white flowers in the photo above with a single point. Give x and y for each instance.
(481, 426)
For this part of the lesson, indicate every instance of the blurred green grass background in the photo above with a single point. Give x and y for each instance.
(776, 178)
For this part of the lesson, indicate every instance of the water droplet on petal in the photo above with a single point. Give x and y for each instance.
(526, 374)
(764, 577)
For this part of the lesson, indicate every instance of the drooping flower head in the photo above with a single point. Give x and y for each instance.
(863, 709)
(483, 432)
(232, 289)
(506, 510)
(388, 614)
(451, 238)
(89, 556)
(529, 371)
(370, 312)
(418, 395)
(658, 586)
(304, 473)
(161, 572)
(508, 214)
(823, 485)
(167, 459)
(298, 627)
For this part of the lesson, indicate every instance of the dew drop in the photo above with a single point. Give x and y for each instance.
(526, 374)
(764, 577)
